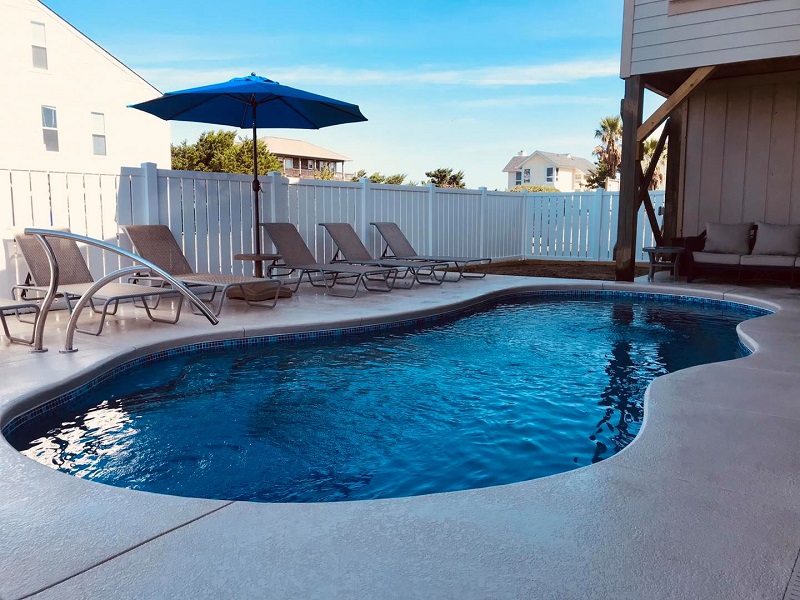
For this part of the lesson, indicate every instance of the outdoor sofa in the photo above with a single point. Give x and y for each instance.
(744, 250)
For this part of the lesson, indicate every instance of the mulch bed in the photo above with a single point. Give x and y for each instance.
(554, 268)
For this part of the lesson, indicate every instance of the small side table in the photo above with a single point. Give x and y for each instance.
(269, 260)
(664, 257)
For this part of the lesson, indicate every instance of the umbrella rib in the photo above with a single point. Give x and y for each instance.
(286, 104)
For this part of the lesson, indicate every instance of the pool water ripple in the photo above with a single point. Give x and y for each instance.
(526, 389)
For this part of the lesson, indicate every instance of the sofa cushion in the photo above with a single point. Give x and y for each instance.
(716, 258)
(782, 240)
(723, 238)
(767, 260)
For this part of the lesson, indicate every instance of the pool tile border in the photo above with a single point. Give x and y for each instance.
(39, 411)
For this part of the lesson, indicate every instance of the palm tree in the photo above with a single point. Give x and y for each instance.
(609, 152)
(649, 147)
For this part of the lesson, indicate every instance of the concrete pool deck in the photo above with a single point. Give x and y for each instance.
(705, 503)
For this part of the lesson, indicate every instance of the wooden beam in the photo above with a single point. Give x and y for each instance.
(651, 168)
(671, 103)
(644, 198)
(630, 179)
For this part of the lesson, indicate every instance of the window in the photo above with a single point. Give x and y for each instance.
(518, 179)
(526, 176)
(50, 128)
(549, 174)
(39, 45)
(98, 134)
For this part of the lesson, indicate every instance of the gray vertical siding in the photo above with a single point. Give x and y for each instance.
(743, 152)
(656, 41)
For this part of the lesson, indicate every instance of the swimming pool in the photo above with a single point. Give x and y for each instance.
(528, 389)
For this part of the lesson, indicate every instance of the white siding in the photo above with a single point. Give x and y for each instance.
(654, 41)
(742, 152)
(81, 79)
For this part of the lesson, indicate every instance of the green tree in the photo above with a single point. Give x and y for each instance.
(325, 173)
(446, 178)
(608, 152)
(220, 152)
(533, 188)
(376, 177)
(649, 148)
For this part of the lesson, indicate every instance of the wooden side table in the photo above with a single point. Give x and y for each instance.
(664, 257)
(269, 260)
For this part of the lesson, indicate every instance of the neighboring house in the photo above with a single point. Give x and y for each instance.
(63, 100)
(302, 159)
(729, 71)
(562, 171)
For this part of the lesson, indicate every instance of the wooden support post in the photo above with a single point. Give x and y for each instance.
(630, 179)
(674, 179)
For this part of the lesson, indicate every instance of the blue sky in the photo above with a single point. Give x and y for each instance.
(463, 84)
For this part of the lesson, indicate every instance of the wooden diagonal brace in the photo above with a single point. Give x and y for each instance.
(671, 103)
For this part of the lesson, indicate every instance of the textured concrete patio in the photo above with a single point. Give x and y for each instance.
(703, 504)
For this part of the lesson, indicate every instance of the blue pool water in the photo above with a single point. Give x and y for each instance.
(525, 389)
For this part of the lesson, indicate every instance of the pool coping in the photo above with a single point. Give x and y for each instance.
(206, 525)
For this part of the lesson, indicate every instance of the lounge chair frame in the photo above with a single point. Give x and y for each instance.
(298, 258)
(399, 246)
(15, 306)
(351, 250)
(157, 244)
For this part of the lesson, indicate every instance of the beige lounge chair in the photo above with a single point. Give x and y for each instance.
(297, 257)
(399, 246)
(74, 279)
(157, 244)
(350, 249)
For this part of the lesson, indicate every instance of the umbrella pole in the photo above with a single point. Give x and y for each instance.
(259, 267)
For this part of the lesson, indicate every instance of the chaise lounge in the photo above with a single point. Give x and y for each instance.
(74, 281)
(399, 246)
(156, 244)
(353, 251)
(297, 257)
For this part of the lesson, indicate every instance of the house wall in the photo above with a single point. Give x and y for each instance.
(538, 166)
(81, 78)
(742, 152)
(654, 40)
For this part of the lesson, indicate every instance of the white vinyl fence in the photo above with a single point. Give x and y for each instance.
(211, 214)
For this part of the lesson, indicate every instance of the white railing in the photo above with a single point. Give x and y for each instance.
(211, 215)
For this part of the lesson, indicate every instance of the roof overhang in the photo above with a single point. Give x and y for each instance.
(665, 83)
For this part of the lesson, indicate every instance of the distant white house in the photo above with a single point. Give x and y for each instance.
(565, 172)
(303, 159)
(63, 100)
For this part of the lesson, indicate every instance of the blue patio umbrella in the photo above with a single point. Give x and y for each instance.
(252, 102)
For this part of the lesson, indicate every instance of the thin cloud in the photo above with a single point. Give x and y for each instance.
(528, 101)
(499, 76)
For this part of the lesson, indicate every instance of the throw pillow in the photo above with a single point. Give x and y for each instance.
(782, 240)
(723, 238)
